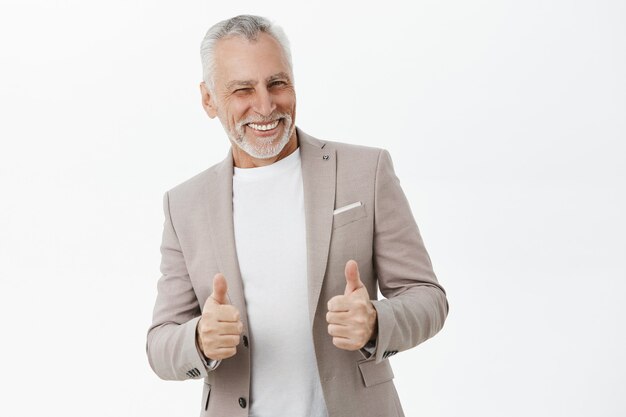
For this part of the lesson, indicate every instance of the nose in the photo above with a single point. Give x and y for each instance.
(264, 104)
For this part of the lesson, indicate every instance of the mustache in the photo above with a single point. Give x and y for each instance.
(263, 119)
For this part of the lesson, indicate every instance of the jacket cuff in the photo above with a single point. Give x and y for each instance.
(385, 323)
(369, 349)
(192, 362)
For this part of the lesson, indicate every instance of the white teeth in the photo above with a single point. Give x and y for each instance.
(264, 127)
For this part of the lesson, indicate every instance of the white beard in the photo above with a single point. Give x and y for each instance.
(261, 148)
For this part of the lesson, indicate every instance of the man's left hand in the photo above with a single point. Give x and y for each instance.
(351, 317)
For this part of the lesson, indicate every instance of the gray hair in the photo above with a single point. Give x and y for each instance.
(247, 26)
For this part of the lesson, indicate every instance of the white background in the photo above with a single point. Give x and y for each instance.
(506, 121)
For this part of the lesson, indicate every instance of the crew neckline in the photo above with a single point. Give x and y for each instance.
(277, 168)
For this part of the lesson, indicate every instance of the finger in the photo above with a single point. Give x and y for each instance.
(229, 328)
(345, 344)
(223, 353)
(337, 330)
(219, 289)
(228, 313)
(339, 303)
(228, 341)
(342, 317)
(353, 278)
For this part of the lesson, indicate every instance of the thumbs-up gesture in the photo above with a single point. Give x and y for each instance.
(351, 317)
(219, 329)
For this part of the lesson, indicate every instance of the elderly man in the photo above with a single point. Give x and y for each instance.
(271, 259)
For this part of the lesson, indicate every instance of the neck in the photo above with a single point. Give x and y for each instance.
(243, 160)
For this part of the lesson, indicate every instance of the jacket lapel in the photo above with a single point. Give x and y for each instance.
(319, 171)
(220, 219)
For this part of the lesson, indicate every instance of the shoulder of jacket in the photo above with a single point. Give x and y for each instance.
(194, 185)
(346, 150)
(358, 155)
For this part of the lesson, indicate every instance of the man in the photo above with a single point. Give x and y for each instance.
(272, 258)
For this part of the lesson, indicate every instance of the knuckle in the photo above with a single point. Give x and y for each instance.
(332, 303)
(207, 343)
(207, 330)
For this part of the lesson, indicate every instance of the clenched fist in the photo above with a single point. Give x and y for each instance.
(219, 329)
(352, 317)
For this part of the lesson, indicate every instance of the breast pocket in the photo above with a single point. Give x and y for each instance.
(348, 214)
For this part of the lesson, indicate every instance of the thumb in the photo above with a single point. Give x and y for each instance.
(219, 289)
(353, 279)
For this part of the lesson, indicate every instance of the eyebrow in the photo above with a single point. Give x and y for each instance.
(246, 83)
(252, 83)
(278, 76)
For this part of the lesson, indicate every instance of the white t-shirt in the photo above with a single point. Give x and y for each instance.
(270, 236)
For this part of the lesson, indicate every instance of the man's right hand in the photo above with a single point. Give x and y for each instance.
(219, 329)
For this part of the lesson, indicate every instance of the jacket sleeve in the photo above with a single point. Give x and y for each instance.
(171, 342)
(415, 305)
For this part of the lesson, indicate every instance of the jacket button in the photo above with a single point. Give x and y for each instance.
(242, 402)
(245, 340)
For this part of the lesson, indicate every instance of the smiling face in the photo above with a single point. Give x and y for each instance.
(254, 98)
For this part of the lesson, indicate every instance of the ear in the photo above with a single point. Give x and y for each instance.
(208, 101)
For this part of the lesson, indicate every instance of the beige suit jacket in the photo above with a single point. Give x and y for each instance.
(380, 234)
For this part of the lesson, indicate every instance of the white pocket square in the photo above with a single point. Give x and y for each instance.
(346, 208)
